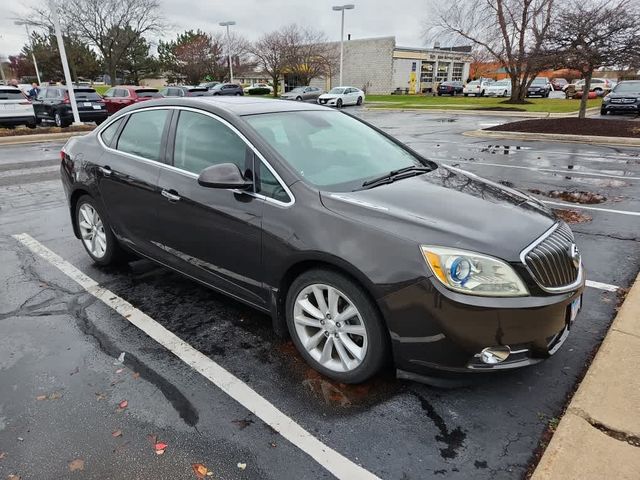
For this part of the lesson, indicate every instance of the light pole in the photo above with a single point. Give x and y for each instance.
(65, 65)
(33, 55)
(228, 24)
(342, 8)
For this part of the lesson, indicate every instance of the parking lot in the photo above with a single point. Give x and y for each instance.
(60, 342)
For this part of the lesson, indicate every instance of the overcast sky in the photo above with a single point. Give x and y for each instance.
(370, 18)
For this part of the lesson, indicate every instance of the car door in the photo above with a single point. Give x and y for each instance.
(38, 104)
(212, 234)
(127, 176)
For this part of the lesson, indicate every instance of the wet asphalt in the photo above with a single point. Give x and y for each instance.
(60, 383)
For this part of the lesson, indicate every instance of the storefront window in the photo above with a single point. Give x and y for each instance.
(456, 74)
(443, 72)
(426, 73)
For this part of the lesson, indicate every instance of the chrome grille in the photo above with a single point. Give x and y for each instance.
(623, 100)
(550, 261)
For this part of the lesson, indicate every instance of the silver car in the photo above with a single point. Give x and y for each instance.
(302, 94)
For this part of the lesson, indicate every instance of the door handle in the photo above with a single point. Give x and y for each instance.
(106, 171)
(172, 197)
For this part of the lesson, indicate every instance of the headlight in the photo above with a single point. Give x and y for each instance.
(473, 273)
(606, 98)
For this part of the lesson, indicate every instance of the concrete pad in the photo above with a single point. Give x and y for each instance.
(580, 451)
(610, 392)
(628, 319)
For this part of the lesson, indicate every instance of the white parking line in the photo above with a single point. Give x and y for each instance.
(585, 207)
(334, 462)
(29, 171)
(602, 286)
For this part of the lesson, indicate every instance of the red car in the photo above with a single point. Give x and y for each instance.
(122, 96)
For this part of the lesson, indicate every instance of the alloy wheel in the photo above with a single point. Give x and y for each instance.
(92, 230)
(330, 327)
(58, 119)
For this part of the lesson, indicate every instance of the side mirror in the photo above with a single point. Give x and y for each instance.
(224, 175)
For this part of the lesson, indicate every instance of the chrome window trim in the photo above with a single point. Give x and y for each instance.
(191, 174)
(563, 289)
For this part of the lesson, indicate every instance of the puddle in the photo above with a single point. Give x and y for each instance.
(599, 182)
(572, 216)
(503, 149)
(573, 197)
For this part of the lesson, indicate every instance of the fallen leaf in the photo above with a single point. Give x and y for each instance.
(119, 360)
(55, 396)
(14, 477)
(273, 445)
(2, 455)
(100, 396)
(119, 370)
(152, 438)
(242, 423)
(41, 397)
(117, 433)
(160, 448)
(242, 466)
(135, 375)
(200, 470)
(74, 371)
(123, 404)
(76, 465)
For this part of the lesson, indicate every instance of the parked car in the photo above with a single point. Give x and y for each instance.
(501, 88)
(540, 87)
(256, 86)
(600, 86)
(477, 87)
(184, 91)
(450, 88)
(208, 85)
(15, 108)
(340, 96)
(625, 97)
(227, 89)
(302, 94)
(53, 104)
(559, 84)
(365, 251)
(117, 98)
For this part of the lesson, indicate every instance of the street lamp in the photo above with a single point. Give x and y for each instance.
(65, 64)
(228, 24)
(342, 8)
(33, 55)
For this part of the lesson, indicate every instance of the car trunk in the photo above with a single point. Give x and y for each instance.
(87, 100)
(13, 103)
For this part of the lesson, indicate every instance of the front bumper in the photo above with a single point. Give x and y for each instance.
(327, 101)
(86, 115)
(434, 329)
(621, 107)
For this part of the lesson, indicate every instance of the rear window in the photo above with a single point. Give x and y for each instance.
(86, 94)
(11, 94)
(149, 92)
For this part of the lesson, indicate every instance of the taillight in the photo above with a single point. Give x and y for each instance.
(62, 155)
(66, 98)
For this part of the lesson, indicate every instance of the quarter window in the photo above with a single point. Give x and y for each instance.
(110, 132)
(109, 93)
(142, 135)
(202, 141)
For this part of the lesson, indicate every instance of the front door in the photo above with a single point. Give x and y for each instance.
(128, 174)
(212, 234)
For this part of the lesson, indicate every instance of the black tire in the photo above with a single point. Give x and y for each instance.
(59, 121)
(504, 94)
(466, 94)
(603, 111)
(31, 125)
(237, 94)
(38, 120)
(299, 99)
(339, 103)
(598, 91)
(359, 101)
(113, 252)
(482, 93)
(377, 335)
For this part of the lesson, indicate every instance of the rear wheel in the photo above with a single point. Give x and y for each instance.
(59, 121)
(96, 235)
(335, 326)
(299, 99)
(339, 103)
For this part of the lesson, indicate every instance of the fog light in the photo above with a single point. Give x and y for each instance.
(493, 355)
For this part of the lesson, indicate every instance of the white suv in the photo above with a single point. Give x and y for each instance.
(15, 108)
(477, 87)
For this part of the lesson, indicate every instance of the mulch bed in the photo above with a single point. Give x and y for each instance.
(13, 132)
(574, 126)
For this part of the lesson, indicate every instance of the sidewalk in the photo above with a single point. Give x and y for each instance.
(599, 436)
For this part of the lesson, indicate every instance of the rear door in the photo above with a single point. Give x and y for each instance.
(212, 234)
(128, 172)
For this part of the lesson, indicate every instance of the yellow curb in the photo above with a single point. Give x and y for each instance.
(598, 435)
(39, 137)
(554, 137)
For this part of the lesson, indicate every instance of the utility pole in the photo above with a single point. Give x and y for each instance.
(65, 64)
(227, 24)
(341, 9)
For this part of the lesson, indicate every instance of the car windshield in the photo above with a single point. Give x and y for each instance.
(336, 90)
(298, 89)
(627, 87)
(331, 150)
(539, 81)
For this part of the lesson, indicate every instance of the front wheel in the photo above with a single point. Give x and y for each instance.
(339, 103)
(603, 111)
(335, 326)
(96, 235)
(359, 101)
(299, 99)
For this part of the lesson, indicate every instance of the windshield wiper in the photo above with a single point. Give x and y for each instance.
(394, 175)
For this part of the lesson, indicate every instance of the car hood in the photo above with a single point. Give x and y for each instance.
(449, 207)
(329, 96)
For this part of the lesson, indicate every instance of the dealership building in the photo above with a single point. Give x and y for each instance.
(379, 66)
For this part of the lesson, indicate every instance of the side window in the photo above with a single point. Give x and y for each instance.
(269, 186)
(142, 135)
(202, 141)
(109, 93)
(52, 93)
(110, 132)
(121, 92)
(42, 94)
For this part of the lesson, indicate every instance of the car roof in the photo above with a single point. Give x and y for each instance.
(236, 105)
(136, 87)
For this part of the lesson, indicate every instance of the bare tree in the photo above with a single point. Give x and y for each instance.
(111, 26)
(604, 33)
(512, 31)
(309, 54)
(270, 52)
